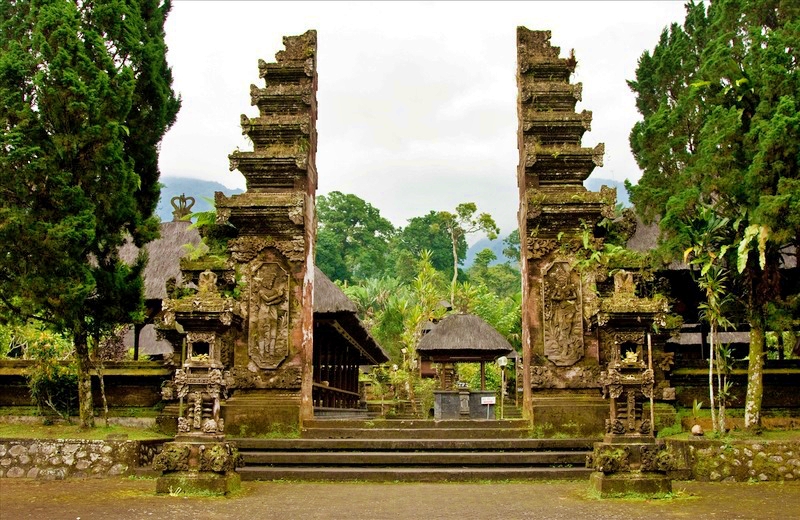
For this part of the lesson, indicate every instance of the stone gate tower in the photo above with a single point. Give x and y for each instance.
(557, 219)
(272, 253)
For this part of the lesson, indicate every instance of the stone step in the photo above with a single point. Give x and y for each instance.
(412, 474)
(415, 433)
(420, 444)
(429, 458)
(413, 423)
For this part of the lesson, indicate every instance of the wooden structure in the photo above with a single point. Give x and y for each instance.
(341, 346)
(462, 338)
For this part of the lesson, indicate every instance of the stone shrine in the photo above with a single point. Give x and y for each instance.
(629, 460)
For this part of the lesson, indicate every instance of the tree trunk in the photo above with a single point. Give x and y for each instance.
(85, 404)
(454, 238)
(721, 394)
(712, 401)
(755, 382)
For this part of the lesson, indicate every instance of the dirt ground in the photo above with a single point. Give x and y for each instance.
(136, 499)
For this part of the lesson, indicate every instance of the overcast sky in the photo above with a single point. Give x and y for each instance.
(417, 100)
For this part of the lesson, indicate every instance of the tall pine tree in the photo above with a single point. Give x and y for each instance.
(85, 98)
(720, 101)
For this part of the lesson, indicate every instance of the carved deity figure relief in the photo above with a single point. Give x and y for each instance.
(563, 316)
(269, 314)
(624, 283)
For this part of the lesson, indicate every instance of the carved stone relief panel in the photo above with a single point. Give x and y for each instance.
(563, 314)
(268, 342)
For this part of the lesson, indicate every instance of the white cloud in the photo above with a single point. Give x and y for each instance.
(417, 100)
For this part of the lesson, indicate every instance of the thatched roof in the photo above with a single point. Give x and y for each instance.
(163, 256)
(331, 304)
(328, 297)
(645, 237)
(149, 343)
(464, 337)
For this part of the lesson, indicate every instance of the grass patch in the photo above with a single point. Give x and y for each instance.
(72, 431)
(743, 435)
(593, 494)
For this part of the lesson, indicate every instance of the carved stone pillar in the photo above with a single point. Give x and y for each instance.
(273, 251)
(557, 219)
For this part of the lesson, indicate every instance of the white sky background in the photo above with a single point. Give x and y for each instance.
(417, 100)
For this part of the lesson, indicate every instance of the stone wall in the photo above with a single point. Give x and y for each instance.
(738, 461)
(62, 458)
(127, 383)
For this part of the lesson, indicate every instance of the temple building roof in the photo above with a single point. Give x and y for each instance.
(463, 337)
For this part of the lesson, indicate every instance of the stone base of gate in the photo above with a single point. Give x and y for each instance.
(248, 413)
(570, 412)
(629, 483)
(198, 482)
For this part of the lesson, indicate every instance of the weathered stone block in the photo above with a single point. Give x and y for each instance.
(15, 472)
(192, 482)
(117, 469)
(17, 450)
(629, 483)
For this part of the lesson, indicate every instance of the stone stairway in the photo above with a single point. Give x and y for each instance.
(414, 451)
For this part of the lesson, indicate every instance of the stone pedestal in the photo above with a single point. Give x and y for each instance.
(477, 410)
(572, 413)
(461, 404)
(446, 404)
(198, 464)
(258, 411)
(625, 483)
(630, 464)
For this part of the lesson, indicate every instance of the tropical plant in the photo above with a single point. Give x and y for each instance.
(460, 224)
(720, 124)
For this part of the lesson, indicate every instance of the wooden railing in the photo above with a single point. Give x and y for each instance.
(330, 397)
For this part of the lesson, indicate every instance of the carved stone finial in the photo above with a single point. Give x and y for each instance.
(623, 283)
(183, 207)
(207, 282)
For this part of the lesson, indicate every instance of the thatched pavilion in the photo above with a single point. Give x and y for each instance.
(341, 345)
(462, 338)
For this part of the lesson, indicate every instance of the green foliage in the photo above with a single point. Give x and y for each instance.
(460, 224)
(52, 378)
(512, 246)
(30, 340)
(426, 233)
(85, 97)
(353, 237)
(470, 373)
(721, 127)
(214, 236)
(502, 279)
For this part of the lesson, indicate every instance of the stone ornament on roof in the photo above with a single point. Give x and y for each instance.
(183, 207)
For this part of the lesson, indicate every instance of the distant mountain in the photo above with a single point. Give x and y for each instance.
(622, 194)
(495, 245)
(176, 186)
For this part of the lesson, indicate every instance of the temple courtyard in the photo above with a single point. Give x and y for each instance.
(129, 499)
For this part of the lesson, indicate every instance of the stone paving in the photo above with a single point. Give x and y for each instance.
(114, 498)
